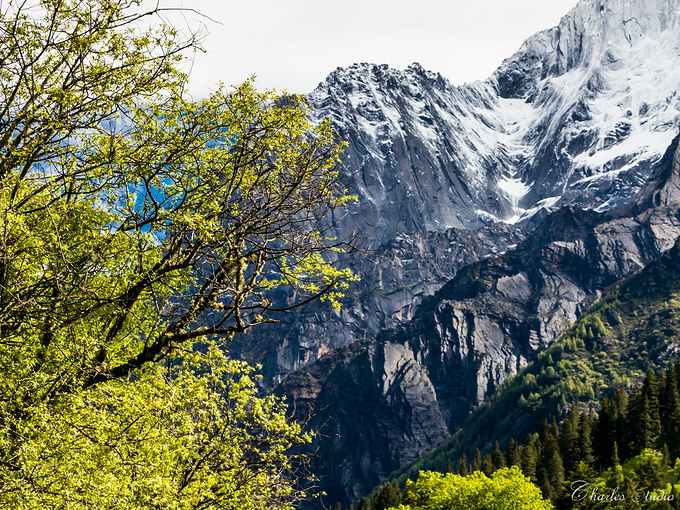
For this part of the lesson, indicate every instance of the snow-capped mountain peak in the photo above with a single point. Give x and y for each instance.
(578, 115)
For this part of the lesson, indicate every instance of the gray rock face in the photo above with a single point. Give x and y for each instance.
(394, 280)
(493, 317)
(387, 389)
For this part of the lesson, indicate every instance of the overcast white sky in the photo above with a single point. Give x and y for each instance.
(294, 44)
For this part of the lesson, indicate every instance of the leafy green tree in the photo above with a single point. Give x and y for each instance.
(508, 488)
(139, 231)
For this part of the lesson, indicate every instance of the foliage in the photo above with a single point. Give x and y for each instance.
(192, 434)
(507, 488)
(138, 232)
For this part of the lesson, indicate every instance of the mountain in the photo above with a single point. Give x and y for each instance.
(578, 116)
(393, 281)
(633, 328)
(417, 383)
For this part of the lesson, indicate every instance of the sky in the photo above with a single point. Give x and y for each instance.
(295, 44)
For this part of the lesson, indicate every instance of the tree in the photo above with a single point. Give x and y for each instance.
(476, 461)
(617, 474)
(462, 466)
(507, 488)
(671, 413)
(513, 454)
(569, 440)
(529, 457)
(584, 437)
(364, 504)
(487, 465)
(550, 468)
(605, 432)
(497, 458)
(387, 497)
(139, 231)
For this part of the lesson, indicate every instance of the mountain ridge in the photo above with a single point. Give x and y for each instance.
(426, 157)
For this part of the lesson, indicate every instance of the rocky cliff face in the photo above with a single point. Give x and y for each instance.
(394, 280)
(400, 395)
(579, 115)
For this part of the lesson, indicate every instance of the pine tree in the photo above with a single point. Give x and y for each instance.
(462, 466)
(604, 433)
(670, 413)
(675, 494)
(569, 444)
(497, 458)
(644, 427)
(487, 465)
(397, 489)
(617, 472)
(644, 419)
(621, 424)
(628, 488)
(449, 469)
(387, 497)
(585, 438)
(554, 428)
(666, 457)
(337, 506)
(550, 463)
(529, 458)
(513, 455)
(615, 454)
(364, 504)
(543, 482)
(650, 474)
(477, 461)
